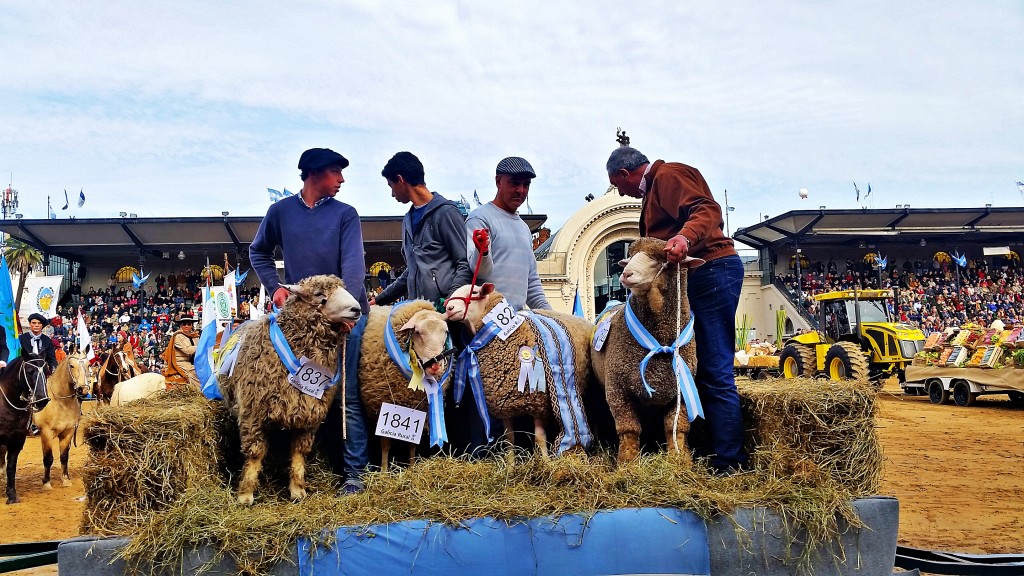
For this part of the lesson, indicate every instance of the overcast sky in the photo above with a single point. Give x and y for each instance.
(192, 108)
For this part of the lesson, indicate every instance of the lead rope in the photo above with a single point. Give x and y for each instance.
(679, 393)
(344, 415)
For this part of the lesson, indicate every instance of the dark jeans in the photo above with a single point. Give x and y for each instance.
(356, 452)
(714, 293)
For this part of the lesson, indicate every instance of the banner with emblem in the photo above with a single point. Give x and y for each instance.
(41, 295)
(232, 293)
(221, 301)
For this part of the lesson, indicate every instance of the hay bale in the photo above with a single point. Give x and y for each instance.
(814, 431)
(142, 457)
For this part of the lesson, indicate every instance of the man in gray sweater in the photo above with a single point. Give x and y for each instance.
(509, 262)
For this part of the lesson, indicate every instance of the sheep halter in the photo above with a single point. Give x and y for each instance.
(435, 400)
(684, 378)
(480, 238)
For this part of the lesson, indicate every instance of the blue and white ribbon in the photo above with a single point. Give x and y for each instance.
(575, 430)
(684, 378)
(435, 411)
(435, 404)
(468, 368)
(284, 351)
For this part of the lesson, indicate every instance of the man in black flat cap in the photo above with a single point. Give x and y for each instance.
(320, 235)
(37, 346)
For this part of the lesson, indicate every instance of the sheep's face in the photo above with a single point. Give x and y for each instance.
(429, 333)
(335, 304)
(640, 270)
(646, 262)
(466, 304)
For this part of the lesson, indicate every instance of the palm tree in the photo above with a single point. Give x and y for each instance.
(21, 258)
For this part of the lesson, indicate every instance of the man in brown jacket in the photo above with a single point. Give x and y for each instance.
(677, 206)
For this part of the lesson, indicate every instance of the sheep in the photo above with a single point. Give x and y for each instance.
(500, 367)
(423, 329)
(138, 387)
(658, 299)
(314, 321)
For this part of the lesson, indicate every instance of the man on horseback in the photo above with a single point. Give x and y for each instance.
(35, 345)
(181, 354)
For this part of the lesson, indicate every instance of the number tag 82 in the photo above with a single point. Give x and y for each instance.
(505, 317)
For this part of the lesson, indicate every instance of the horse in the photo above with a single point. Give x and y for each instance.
(58, 421)
(118, 367)
(23, 390)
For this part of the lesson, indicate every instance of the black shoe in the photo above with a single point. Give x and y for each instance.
(33, 430)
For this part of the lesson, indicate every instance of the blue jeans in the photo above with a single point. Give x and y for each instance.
(714, 293)
(356, 452)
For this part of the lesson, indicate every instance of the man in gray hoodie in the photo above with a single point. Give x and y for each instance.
(433, 237)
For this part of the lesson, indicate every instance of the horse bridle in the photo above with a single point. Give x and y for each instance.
(31, 401)
(124, 368)
(83, 363)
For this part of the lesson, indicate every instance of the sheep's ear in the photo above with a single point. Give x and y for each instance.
(409, 326)
(690, 262)
(486, 288)
(623, 262)
(296, 289)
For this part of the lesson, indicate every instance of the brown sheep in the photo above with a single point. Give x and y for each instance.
(500, 366)
(656, 288)
(314, 321)
(416, 324)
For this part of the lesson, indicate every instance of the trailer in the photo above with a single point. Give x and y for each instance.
(963, 385)
(760, 367)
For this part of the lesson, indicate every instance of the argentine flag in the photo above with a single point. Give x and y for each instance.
(204, 349)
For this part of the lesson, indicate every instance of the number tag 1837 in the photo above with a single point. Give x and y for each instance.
(401, 423)
(505, 317)
(311, 378)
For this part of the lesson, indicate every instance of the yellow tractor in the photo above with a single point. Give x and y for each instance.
(857, 337)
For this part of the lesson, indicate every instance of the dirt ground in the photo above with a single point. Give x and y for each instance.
(955, 471)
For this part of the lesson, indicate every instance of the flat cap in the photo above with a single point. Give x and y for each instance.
(515, 165)
(320, 158)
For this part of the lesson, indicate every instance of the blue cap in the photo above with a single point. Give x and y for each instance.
(515, 165)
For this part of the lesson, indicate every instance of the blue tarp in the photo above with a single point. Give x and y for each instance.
(661, 541)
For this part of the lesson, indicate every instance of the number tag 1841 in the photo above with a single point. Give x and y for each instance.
(504, 315)
(401, 423)
(311, 378)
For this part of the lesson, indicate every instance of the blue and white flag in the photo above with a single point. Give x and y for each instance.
(204, 348)
(881, 261)
(138, 280)
(858, 191)
(577, 305)
(476, 198)
(960, 259)
(276, 195)
(49, 210)
(240, 279)
(81, 198)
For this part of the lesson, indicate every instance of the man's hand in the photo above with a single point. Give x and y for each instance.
(482, 240)
(280, 295)
(3, 364)
(372, 301)
(677, 248)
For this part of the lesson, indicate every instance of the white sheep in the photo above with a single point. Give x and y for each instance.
(138, 387)
(418, 328)
(313, 322)
(560, 342)
(658, 303)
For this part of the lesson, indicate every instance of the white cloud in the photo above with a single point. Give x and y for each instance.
(193, 108)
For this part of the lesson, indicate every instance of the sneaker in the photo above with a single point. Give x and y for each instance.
(351, 486)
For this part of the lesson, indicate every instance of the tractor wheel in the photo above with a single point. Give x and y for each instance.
(936, 393)
(962, 394)
(846, 361)
(797, 360)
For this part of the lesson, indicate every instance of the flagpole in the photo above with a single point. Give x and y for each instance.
(727, 213)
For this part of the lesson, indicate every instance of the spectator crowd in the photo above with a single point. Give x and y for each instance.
(928, 295)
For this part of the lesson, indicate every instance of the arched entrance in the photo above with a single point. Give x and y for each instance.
(575, 252)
